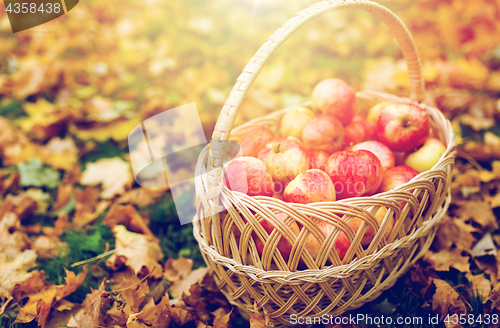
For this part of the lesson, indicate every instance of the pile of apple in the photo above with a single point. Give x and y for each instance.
(334, 155)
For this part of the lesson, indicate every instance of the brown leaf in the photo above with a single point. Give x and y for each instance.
(15, 272)
(128, 216)
(454, 232)
(130, 287)
(41, 300)
(48, 247)
(177, 269)
(64, 193)
(444, 259)
(113, 173)
(480, 285)
(137, 252)
(177, 312)
(93, 308)
(259, 320)
(142, 197)
(13, 243)
(86, 206)
(494, 297)
(151, 316)
(479, 211)
(221, 319)
(183, 285)
(446, 300)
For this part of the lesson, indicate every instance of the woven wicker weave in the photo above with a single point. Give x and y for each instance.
(303, 285)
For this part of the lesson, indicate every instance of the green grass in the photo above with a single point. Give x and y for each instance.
(82, 244)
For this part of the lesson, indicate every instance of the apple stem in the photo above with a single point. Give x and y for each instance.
(276, 148)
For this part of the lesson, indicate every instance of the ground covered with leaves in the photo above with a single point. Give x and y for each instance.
(82, 245)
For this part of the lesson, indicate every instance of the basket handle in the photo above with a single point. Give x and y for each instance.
(228, 113)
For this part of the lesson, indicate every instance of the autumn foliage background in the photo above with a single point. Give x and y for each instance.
(72, 89)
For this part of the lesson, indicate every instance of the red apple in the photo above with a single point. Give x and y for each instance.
(318, 159)
(284, 246)
(310, 186)
(358, 130)
(335, 97)
(374, 112)
(324, 132)
(424, 158)
(384, 153)
(293, 122)
(403, 127)
(254, 139)
(340, 245)
(369, 234)
(248, 175)
(285, 158)
(354, 173)
(397, 176)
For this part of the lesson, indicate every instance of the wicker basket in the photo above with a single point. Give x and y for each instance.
(226, 221)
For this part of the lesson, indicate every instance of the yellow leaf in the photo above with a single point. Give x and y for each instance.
(117, 130)
(137, 252)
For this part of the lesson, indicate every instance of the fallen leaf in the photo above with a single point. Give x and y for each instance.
(454, 232)
(485, 246)
(130, 287)
(151, 316)
(177, 312)
(33, 173)
(137, 252)
(221, 319)
(444, 259)
(259, 320)
(479, 211)
(128, 216)
(480, 285)
(15, 242)
(113, 173)
(60, 153)
(86, 206)
(184, 284)
(48, 247)
(41, 300)
(175, 270)
(446, 299)
(15, 271)
(142, 197)
(93, 308)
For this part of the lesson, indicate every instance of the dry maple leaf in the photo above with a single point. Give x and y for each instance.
(86, 206)
(446, 300)
(60, 153)
(142, 197)
(14, 272)
(93, 308)
(137, 252)
(48, 247)
(479, 211)
(259, 320)
(454, 232)
(178, 312)
(444, 259)
(11, 244)
(131, 288)
(151, 316)
(177, 269)
(41, 299)
(128, 216)
(480, 285)
(221, 318)
(183, 284)
(113, 173)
